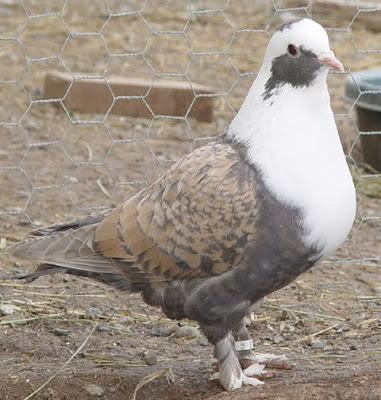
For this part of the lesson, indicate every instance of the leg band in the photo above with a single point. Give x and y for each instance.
(244, 345)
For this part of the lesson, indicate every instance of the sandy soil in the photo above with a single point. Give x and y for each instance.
(83, 334)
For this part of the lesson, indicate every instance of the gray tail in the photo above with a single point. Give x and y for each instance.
(68, 248)
(116, 280)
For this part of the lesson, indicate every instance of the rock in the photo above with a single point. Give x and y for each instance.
(284, 316)
(60, 332)
(330, 349)
(159, 330)
(8, 309)
(341, 328)
(92, 312)
(373, 339)
(8, 320)
(149, 358)
(102, 328)
(94, 390)
(317, 344)
(203, 341)
(186, 331)
(278, 339)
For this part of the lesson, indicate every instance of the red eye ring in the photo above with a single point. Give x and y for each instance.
(293, 50)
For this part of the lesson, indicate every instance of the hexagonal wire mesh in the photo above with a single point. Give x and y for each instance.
(56, 163)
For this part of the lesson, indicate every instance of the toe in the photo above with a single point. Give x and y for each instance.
(247, 359)
(257, 370)
(273, 361)
(251, 381)
(254, 369)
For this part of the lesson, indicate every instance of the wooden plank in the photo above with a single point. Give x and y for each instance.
(163, 97)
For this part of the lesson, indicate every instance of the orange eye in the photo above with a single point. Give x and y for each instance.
(293, 50)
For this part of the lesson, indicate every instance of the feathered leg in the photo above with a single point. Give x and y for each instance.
(243, 345)
(251, 364)
(230, 372)
(220, 306)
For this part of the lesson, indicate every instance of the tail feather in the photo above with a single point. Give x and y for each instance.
(115, 280)
(73, 225)
(66, 248)
(67, 244)
(69, 248)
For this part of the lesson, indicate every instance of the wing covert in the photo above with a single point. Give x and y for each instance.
(194, 221)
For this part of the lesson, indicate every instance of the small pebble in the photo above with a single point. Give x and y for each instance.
(150, 358)
(284, 316)
(186, 331)
(353, 347)
(8, 309)
(278, 339)
(92, 311)
(341, 328)
(159, 330)
(94, 390)
(317, 344)
(102, 328)
(203, 341)
(60, 332)
(12, 317)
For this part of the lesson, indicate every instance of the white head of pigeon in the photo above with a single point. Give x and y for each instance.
(304, 43)
(288, 125)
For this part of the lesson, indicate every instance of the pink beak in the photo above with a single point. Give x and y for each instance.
(328, 59)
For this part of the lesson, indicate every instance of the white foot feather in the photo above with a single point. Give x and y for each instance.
(235, 383)
(255, 370)
(230, 371)
(247, 380)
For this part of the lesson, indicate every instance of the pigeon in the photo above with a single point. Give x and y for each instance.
(234, 220)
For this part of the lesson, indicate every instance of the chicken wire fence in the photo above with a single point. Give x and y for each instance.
(57, 163)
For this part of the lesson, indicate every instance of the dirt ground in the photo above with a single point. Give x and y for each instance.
(69, 338)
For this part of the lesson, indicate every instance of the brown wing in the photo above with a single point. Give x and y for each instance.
(194, 221)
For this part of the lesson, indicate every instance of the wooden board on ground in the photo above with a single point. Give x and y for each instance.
(143, 98)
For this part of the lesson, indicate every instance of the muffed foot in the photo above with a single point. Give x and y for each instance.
(245, 353)
(230, 372)
(249, 380)
(252, 363)
(248, 359)
(255, 364)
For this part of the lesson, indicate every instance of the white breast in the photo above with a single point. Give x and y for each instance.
(301, 157)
